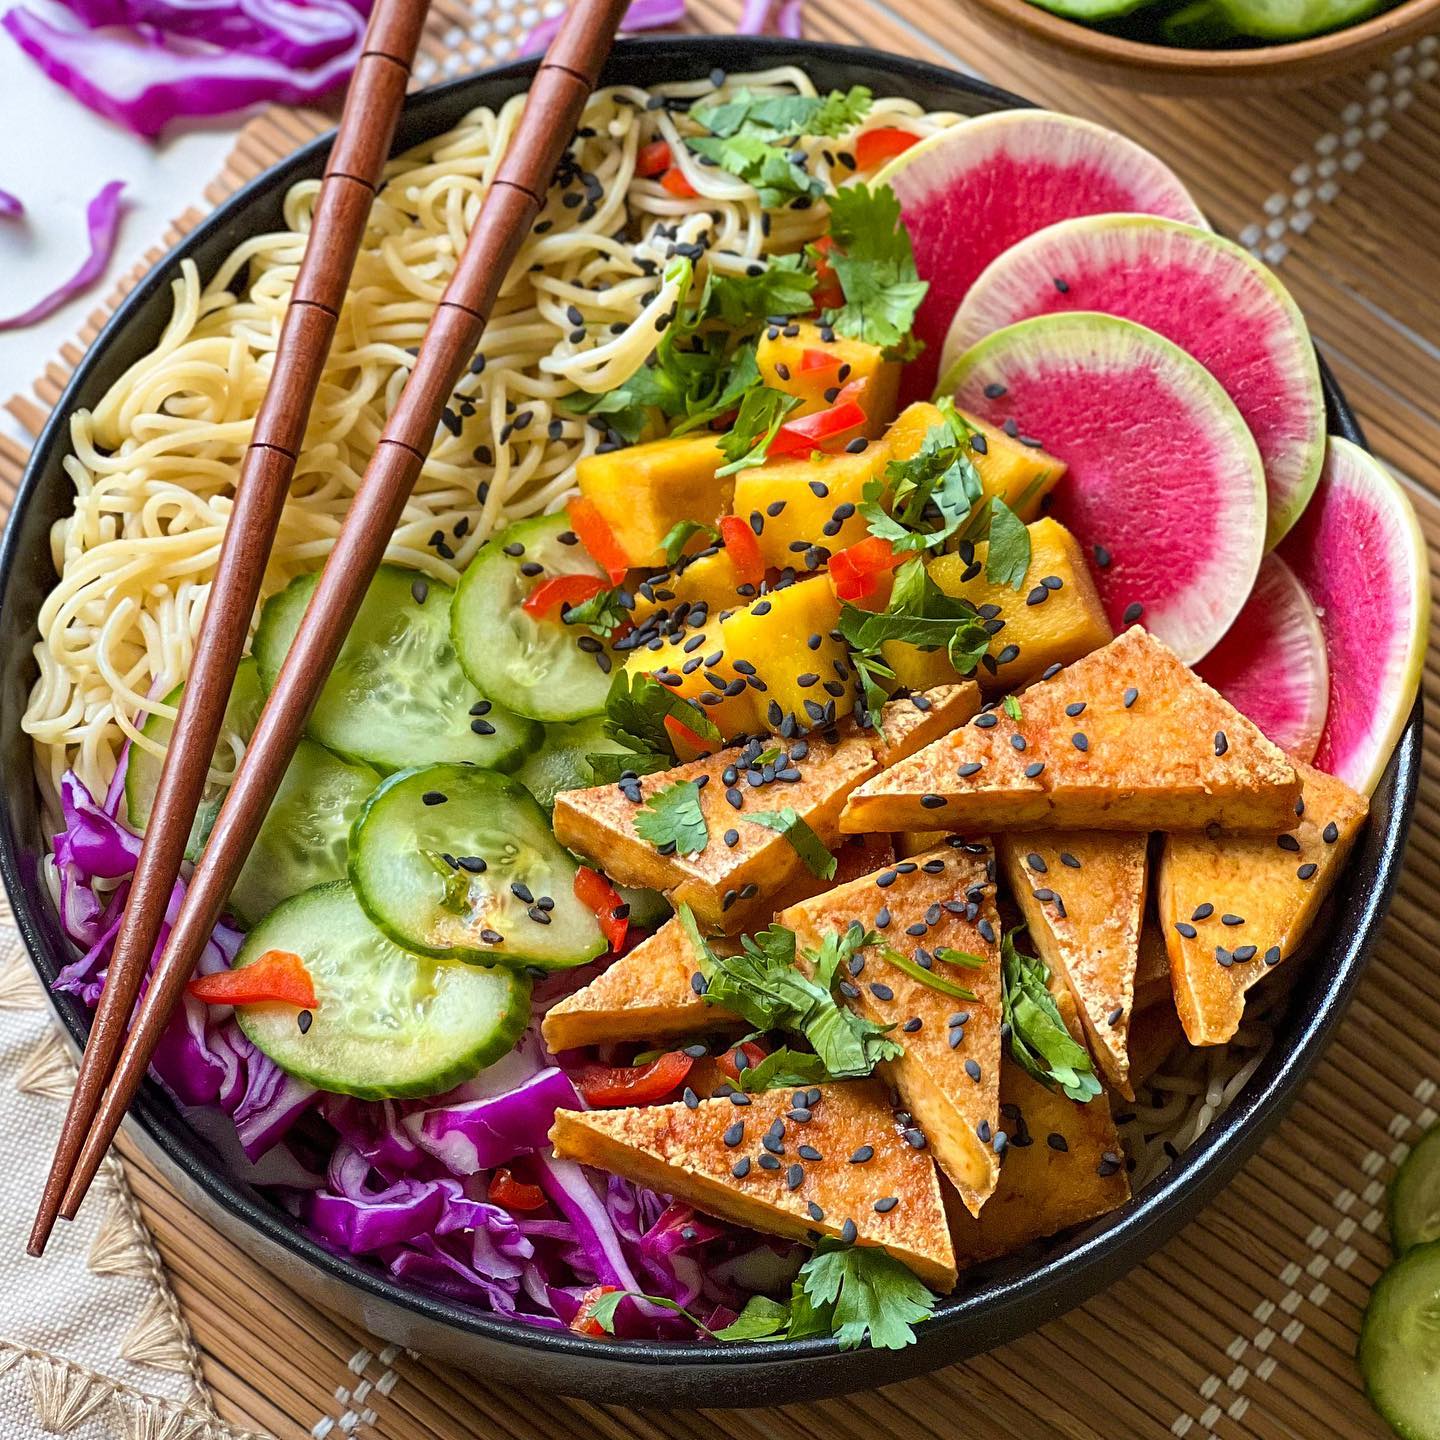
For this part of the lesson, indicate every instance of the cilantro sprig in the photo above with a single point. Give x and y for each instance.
(747, 443)
(764, 984)
(803, 840)
(672, 820)
(875, 266)
(920, 502)
(1040, 1043)
(636, 707)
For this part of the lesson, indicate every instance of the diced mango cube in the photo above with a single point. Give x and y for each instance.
(710, 582)
(813, 494)
(786, 636)
(644, 491)
(781, 357)
(917, 669)
(1055, 617)
(723, 695)
(1019, 474)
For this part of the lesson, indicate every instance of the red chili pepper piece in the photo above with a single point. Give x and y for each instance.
(277, 975)
(675, 182)
(800, 436)
(818, 360)
(598, 538)
(859, 570)
(513, 1194)
(875, 147)
(596, 893)
(743, 549)
(585, 1322)
(827, 294)
(611, 1086)
(652, 159)
(753, 1051)
(559, 591)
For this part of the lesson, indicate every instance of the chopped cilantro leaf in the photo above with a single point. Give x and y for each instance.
(875, 266)
(921, 502)
(782, 288)
(761, 1319)
(746, 113)
(1008, 559)
(607, 766)
(1040, 1043)
(1012, 707)
(765, 985)
(866, 1293)
(803, 840)
(672, 820)
(762, 412)
(635, 711)
(917, 972)
(679, 535)
(604, 613)
(777, 178)
(783, 1068)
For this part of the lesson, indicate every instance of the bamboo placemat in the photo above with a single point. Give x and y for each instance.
(1243, 1328)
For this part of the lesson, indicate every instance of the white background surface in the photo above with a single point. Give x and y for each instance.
(55, 154)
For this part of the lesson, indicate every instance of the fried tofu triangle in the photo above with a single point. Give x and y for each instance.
(837, 1160)
(1233, 907)
(949, 1075)
(1127, 738)
(731, 887)
(1082, 893)
(649, 993)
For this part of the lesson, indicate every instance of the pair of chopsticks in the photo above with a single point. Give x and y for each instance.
(114, 1063)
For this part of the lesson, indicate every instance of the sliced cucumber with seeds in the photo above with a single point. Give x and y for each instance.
(538, 667)
(562, 760)
(1400, 1344)
(458, 862)
(389, 1024)
(649, 909)
(142, 777)
(397, 695)
(305, 838)
(1415, 1196)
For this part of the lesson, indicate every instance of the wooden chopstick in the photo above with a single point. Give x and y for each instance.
(352, 176)
(557, 97)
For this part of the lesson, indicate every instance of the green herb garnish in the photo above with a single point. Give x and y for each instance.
(1007, 561)
(762, 412)
(916, 971)
(875, 266)
(671, 819)
(803, 840)
(1040, 1043)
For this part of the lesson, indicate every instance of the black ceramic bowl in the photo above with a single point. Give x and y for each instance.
(992, 1306)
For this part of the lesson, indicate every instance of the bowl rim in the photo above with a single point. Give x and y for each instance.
(1079, 39)
(1076, 1267)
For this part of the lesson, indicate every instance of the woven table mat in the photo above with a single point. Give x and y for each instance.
(1245, 1325)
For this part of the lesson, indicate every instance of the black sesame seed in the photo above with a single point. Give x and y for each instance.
(741, 1168)
(433, 797)
(1018, 741)
(1272, 955)
(1080, 740)
(864, 1154)
(1307, 870)
(932, 802)
(1133, 611)
(1188, 931)
(1034, 768)
(1331, 833)
(1232, 919)
(1102, 557)
(305, 1020)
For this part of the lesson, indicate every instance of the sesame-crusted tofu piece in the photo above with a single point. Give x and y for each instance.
(1232, 908)
(1127, 738)
(731, 882)
(1082, 893)
(1152, 968)
(1062, 1165)
(949, 1075)
(653, 992)
(782, 1167)
(1155, 1030)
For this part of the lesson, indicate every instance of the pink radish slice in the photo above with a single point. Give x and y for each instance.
(1271, 664)
(1163, 475)
(1207, 294)
(969, 193)
(1360, 555)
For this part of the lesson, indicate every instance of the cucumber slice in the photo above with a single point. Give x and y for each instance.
(1415, 1196)
(536, 665)
(490, 822)
(1294, 19)
(397, 696)
(389, 1024)
(649, 909)
(561, 762)
(1400, 1344)
(305, 838)
(142, 776)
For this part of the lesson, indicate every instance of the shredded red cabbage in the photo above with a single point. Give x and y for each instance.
(144, 63)
(403, 1185)
(642, 15)
(102, 216)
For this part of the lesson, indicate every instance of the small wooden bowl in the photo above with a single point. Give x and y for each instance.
(1171, 70)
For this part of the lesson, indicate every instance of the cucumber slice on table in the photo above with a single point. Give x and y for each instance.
(142, 777)
(1400, 1344)
(305, 837)
(389, 1023)
(562, 760)
(1294, 19)
(397, 696)
(537, 667)
(420, 821)
(1415, 1198)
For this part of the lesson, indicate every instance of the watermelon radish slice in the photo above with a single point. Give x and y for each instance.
(1164, 490)
(972, 191)
(1271, 664)
(1208, 295)
(1359, 553)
